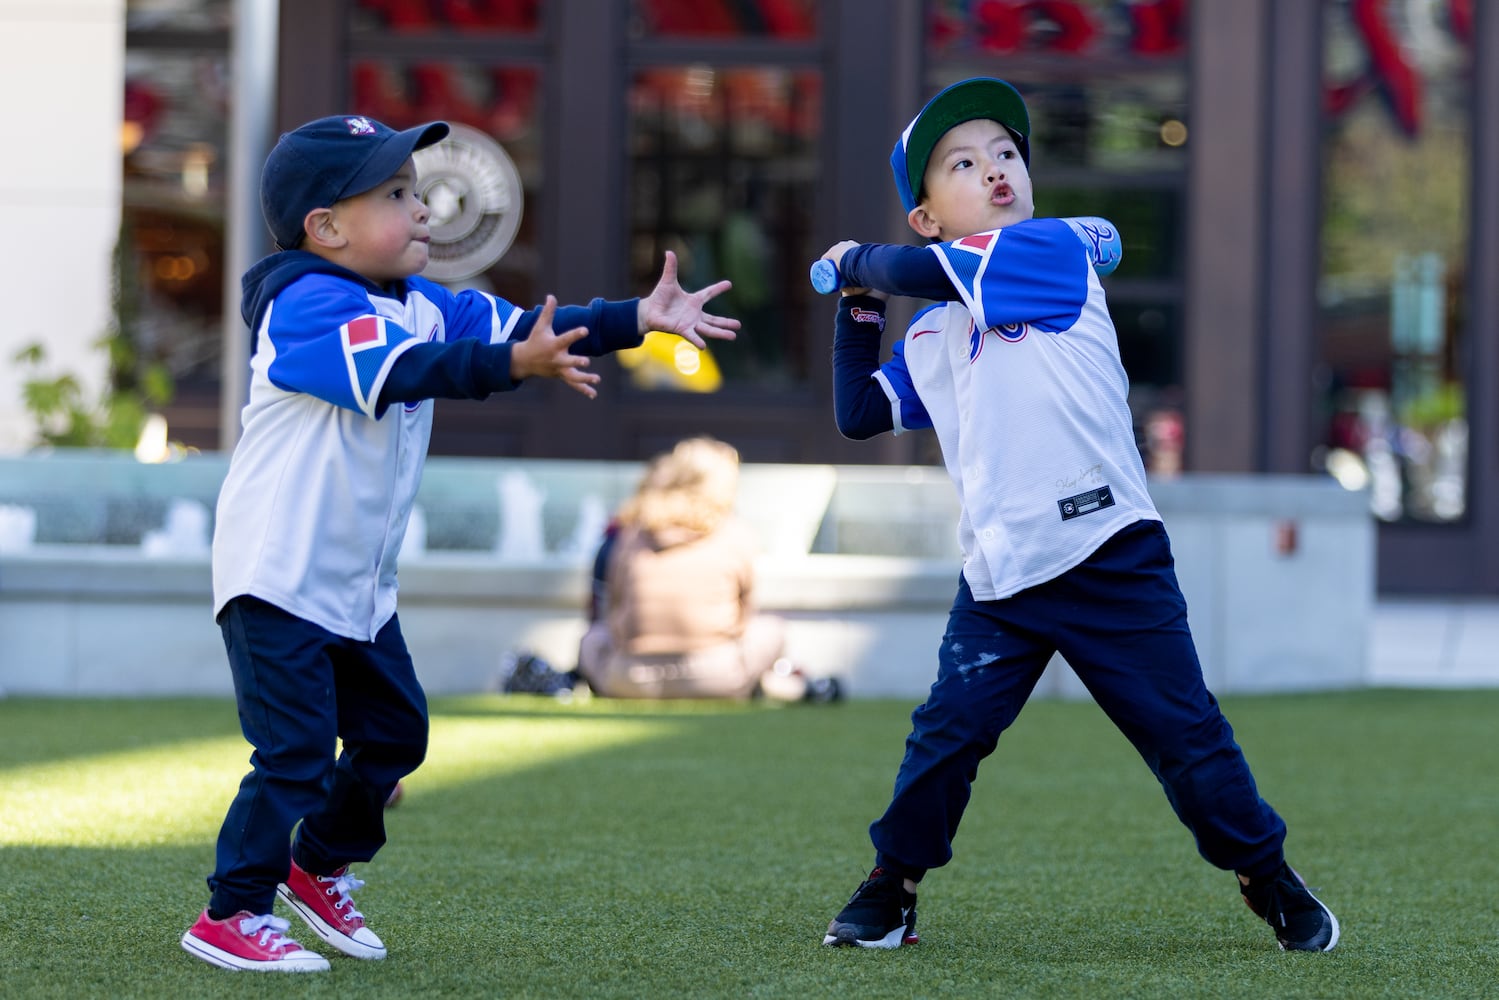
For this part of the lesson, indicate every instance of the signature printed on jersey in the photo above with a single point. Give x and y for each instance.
(1091, 474)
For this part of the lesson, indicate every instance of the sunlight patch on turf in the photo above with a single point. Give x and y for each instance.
(177, 793)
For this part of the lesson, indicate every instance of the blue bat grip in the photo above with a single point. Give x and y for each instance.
(825, 276)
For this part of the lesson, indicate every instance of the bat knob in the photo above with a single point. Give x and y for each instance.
(825, 277)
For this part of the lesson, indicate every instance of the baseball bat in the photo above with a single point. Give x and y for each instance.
(825, 276)
(1099, 237)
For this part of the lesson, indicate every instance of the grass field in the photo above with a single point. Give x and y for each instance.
(698, 850)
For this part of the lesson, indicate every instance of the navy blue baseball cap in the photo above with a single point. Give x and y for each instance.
(979, 97)
(331, 159)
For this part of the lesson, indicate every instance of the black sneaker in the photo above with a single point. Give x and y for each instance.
(527, 673)
(1300, 921)
(880, 914)
(823, 690)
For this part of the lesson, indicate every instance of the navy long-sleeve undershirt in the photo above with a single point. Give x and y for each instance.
(898, 269)
(472, 369)
(860, 407)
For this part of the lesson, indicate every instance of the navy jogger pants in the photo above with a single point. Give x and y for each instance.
(300, 689)
(1120, 621)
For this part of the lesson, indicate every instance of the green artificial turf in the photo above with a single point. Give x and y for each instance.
(698, 850)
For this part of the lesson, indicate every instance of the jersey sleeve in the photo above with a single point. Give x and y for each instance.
(906, 408)
(471, 313)
(330, 343)
(1035, 272)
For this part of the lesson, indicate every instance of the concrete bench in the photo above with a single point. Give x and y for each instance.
(111, 595)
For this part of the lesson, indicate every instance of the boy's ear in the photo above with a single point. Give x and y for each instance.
(321, 229)
(922, 222)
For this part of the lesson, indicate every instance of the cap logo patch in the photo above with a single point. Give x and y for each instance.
(360, 126)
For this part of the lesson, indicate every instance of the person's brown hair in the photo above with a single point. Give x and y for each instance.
(693, 487)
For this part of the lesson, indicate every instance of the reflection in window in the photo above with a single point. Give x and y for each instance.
(500, 103)
(1395, 233)
(1125, 122)
(783, 19)
(1100, 29)
(178, 15)
(723, 168)
(419, 16)
(172, 221)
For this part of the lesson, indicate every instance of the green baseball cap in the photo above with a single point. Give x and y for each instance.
(979, 97)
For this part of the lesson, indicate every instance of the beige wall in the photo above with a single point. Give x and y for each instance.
(61, 69)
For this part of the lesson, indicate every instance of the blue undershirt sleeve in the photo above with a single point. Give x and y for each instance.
(612, 326)
(860, 407)
(898, 270)
(465, 369)
(470, 368)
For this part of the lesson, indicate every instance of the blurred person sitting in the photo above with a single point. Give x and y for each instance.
(673, 612)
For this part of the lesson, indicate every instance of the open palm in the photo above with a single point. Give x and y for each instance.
(673, 309)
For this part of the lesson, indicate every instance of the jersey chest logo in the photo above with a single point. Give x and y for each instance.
(1010, 333)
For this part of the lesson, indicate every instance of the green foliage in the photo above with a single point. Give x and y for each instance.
(66, 417)
(57, 402)
(1436, 408)
(698, 850)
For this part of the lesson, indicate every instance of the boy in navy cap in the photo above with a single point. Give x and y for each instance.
(1017, 370)
(351, 347)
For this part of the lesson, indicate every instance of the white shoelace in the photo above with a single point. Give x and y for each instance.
(343, 885)
(272, 931)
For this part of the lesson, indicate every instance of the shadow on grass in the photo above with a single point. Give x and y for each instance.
(632, 849)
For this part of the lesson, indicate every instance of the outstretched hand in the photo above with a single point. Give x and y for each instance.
(546, 354)
(673, 309)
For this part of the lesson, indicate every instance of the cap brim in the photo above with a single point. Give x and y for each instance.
(391, 155)
(983, 97)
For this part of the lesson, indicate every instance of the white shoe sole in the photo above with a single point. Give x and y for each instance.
(332, 935)
(892, 940)
(1336, 929)
(297, 961)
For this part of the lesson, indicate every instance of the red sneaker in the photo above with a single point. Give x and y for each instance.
(245, 941)
(323, 901)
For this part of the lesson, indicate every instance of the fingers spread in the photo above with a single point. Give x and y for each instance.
(717, 288)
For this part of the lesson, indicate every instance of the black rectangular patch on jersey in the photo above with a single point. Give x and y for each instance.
(1086, 503)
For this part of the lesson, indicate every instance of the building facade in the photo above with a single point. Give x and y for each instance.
(1308, 192)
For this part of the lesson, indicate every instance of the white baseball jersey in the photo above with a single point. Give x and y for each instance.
(1022, 382)
(314, 508)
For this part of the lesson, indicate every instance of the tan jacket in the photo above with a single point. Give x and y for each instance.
(679, 595)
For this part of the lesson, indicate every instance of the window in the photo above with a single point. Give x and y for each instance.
(783, 19)
(170, 257)
(417, 17)
(1395, 233)
(483, 182)
(724, 166)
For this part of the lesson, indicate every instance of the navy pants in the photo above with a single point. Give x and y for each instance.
(1120, 621)
(300, 689)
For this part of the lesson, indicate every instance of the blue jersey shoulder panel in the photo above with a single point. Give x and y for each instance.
(330, 341)
(1034, 272)
(896, 378)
